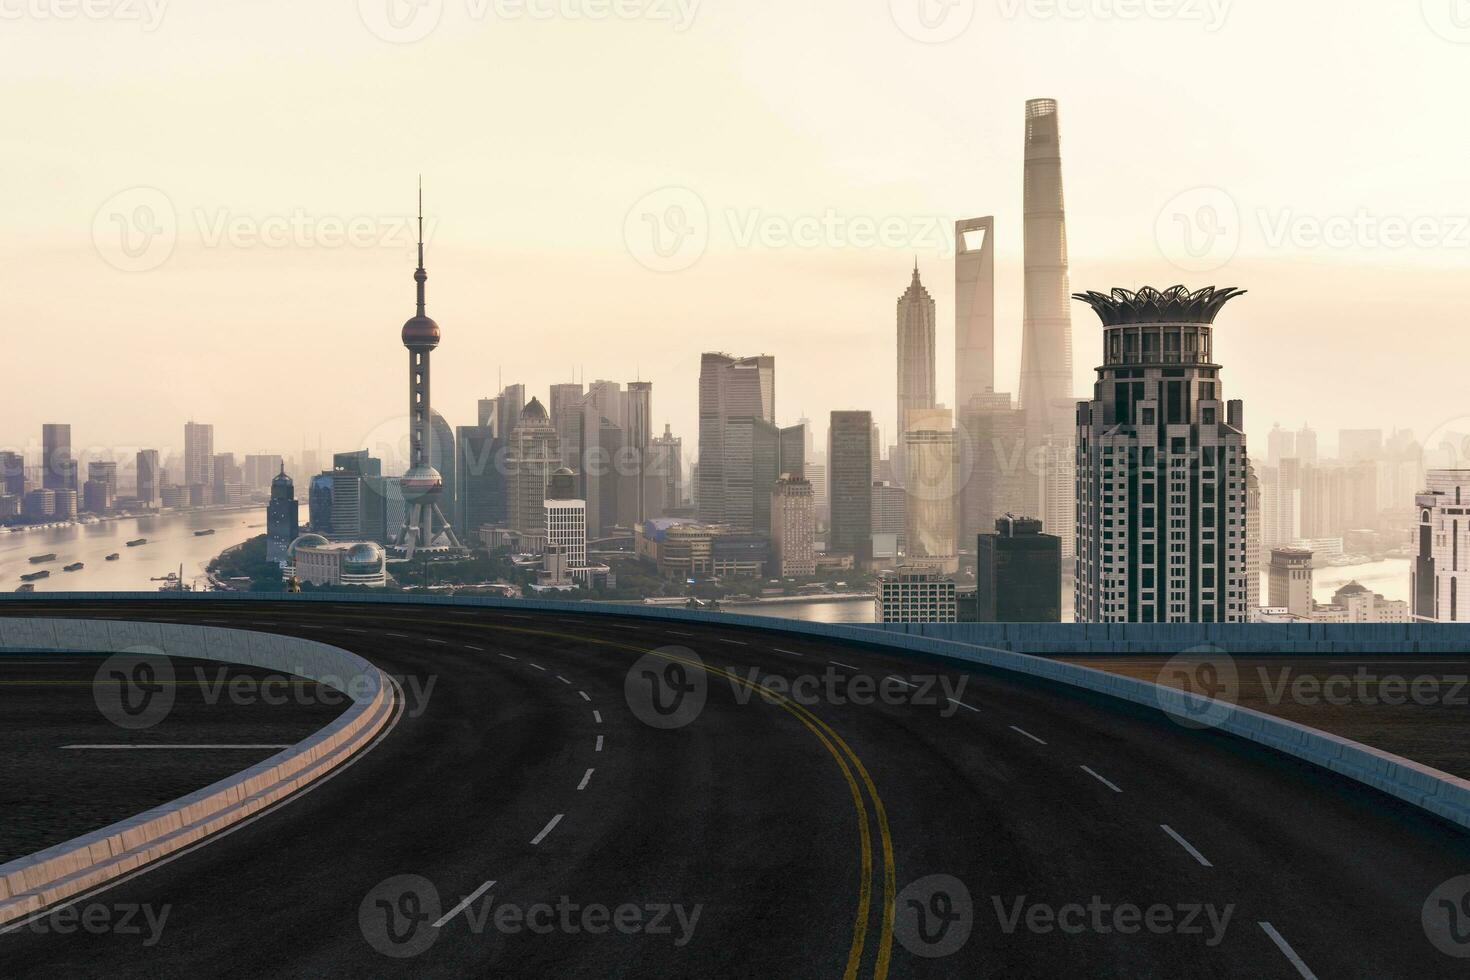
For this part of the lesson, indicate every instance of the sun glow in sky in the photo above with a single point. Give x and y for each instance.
(208, 204)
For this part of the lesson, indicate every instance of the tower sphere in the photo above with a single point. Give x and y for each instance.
(420, 333)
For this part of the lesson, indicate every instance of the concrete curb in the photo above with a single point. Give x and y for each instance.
(31, 883)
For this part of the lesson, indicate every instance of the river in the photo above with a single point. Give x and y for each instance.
(171, 543)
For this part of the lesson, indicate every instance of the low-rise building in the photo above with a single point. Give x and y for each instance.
(915, 594)
(316, 560)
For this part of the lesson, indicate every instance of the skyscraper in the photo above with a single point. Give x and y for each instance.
(149, 478)
(12, 474)
(915, 353)
(1046, 338)
(422, 485)
(929, 527)
(281, 516)
(668, 468)
(1444, 545)
(1018, 573)
(793, 529)
(1162, 467)
(733, 394)
(480, 469)
(198, 454)
(638, 407)
(850, 484)
(974, 330)
(532, 457)
(58, 468)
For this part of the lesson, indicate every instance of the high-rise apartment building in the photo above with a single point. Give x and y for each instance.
(734, 394)
(12, 474)
(1443, 562)
(198, 454)
(1018, 573)
(793, 529)
(667, 466)
(915, 594)
(1252, 540)
(58, 468)
(929, 526)
(566, 521)
(850, 484)
(1161, 478)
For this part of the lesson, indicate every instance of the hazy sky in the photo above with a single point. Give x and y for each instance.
(206, 203)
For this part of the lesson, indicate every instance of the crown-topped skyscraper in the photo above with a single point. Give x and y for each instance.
(422, 485)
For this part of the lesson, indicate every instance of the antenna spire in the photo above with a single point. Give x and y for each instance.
(420, 276)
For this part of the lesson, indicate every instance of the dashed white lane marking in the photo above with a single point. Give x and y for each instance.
(464, 904)
(733, 643)
(900, 680)
(620, 626)
(462, 612)
(836, 663)
(546, 830)
(1028, 735)
(789, 653)
(430, 639)
(308, 626)
(401, 636)
(597, 716)
(599, 744)
(1186, 845)
(537, 666)
(677, 633)
(469, 646)
(584, 696)
(155, 745)
(585, 777)
(352, 629)
(1287, 951)
(1102, 779)
(562, 679)
(963, 705)
(509, 657)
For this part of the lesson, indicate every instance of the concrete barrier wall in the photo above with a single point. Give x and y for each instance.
(31, 883)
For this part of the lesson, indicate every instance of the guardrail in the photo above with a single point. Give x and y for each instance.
(33, 882)
(1429, 789)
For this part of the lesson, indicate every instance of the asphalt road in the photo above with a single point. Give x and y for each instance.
(763, 837)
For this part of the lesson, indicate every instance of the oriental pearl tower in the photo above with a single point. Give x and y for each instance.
(422, 484)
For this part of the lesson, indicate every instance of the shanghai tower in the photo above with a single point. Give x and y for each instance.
(1046, 339)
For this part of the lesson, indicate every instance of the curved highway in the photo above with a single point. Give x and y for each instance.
(588, 796)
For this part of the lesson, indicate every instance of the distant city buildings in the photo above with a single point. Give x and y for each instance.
(149, 477)
(58, 468)
(316, 560)
(915, 352)
(929, 526)
(915, 594)
(1292, 599)
(198, 454)
(1440, 582)
(281, 516)
(793, 529)
(850, 483)
(1161, 481)
(690, 551)
(1018, 573)
(532, 457)
(737, 407)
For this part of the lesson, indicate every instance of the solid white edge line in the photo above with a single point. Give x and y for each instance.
(1186, 845)
(1102, 779)
(586, 776)
(1028, 735)
(175, 746)
(1287, 951)
(464, 904)
(547, 829)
